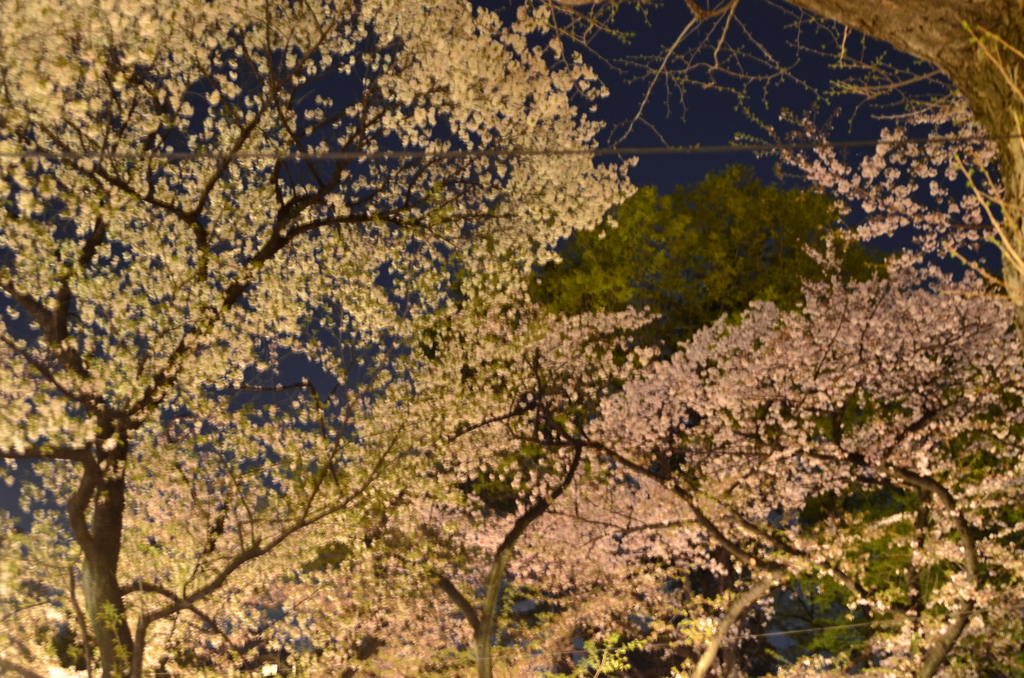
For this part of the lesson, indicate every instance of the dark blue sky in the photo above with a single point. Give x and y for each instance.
(711, 117)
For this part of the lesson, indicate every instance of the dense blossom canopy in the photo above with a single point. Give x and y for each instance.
(151, 299)
(270, 408)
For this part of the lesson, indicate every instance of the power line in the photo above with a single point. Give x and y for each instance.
(502, 153)
(818, 629)
(812, 629)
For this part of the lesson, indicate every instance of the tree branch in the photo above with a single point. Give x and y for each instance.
(468, 611)
(735, 610)
(6, 665)
(44, 452)
(936, 655)
(949, 503)
(149, 587)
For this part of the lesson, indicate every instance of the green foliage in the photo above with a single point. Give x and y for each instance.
(822, 605)
(109, 617)
(606, 659)
(699, 253)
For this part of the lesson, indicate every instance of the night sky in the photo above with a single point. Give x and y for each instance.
(712, 117)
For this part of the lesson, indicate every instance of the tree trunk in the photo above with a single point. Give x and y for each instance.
(483, 623)
(492, 598)
(934, 30)
(101, 548)
(107, 614)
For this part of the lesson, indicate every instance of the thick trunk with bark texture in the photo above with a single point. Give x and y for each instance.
(485, 629)
(107, 614)
(100, 541)
(934, 30)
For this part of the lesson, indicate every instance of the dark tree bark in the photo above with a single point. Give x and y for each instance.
(100, 541)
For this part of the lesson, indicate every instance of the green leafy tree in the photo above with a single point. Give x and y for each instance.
(698, 253)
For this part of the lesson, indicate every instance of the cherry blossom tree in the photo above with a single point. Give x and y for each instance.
(284, 391)
(894, 408)
(869, 441)
(502, 389)
(758, 431)
(173, 250)
(867, 445)
(890, 404)
(839, 447)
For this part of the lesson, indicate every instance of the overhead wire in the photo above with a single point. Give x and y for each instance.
(696, 149)
(791, 632)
